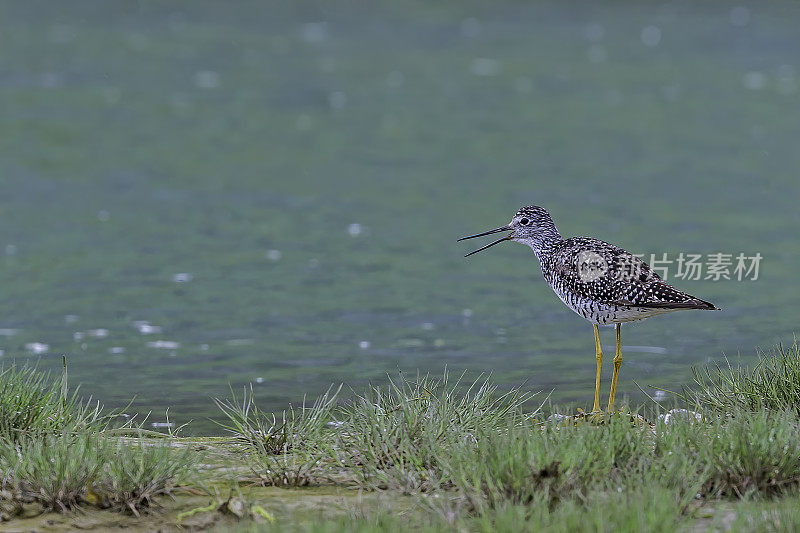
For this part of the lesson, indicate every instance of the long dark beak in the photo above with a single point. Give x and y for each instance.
(498, 241)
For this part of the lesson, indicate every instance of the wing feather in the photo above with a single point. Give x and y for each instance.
(609, 274)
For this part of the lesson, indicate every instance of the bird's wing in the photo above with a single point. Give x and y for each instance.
(609, 274)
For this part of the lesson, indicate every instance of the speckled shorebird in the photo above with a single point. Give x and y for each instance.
(601, 282)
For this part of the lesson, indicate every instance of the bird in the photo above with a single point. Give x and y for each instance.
(601, 282)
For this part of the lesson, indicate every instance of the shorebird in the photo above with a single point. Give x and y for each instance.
(600, 281)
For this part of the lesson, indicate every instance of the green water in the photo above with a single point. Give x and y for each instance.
(310, 165)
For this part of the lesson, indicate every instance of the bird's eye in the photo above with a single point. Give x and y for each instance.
(524, 221)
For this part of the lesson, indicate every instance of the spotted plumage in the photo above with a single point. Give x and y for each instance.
(600, 281)
(606, 284)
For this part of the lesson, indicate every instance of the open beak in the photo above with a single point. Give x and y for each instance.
(498, 241)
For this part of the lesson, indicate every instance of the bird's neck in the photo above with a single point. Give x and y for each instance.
(545, 241)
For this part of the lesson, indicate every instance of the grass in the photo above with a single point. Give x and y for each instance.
(32, 402)
(773, 384)
(53, 470)
(60, 452)
(778, 516)
(473, 459)
(134, 473)
(449, 454)
(63, 471)
(651, 510)
(393, 437)
(286, 451)
(750, 456)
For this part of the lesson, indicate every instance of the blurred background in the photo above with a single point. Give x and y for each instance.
(201, 195)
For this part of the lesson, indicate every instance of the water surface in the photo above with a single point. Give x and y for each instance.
(195, 197)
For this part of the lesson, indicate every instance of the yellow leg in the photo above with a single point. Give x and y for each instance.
(598, 354)
(617, 365)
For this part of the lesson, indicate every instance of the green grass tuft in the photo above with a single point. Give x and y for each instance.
(59, 452)
(395, 437)
(287, 450)
(53, 470)
(772, 385)
(31, 402)
(134, 472)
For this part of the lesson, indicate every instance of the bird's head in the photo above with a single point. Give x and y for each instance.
(531, 226)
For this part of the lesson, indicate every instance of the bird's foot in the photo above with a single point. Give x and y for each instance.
(599, 418)
(635, 418)
(596, 417)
